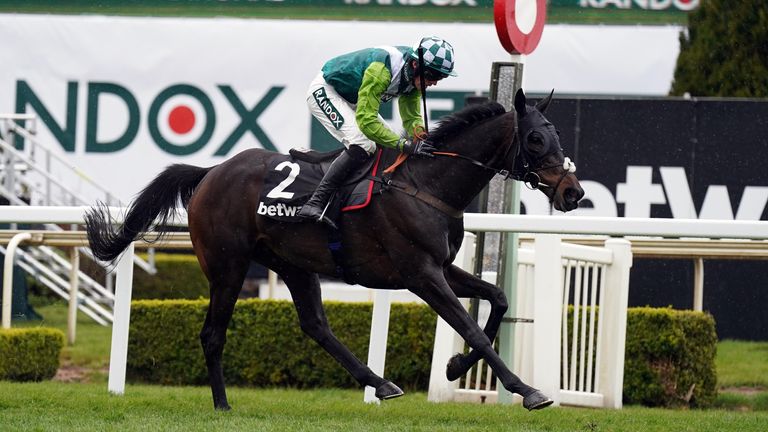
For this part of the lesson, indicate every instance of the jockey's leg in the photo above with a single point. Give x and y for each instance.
(346, 163)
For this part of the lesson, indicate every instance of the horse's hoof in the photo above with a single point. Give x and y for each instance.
(225, 407)
(454, 370)
(536, 400)
(388, 391)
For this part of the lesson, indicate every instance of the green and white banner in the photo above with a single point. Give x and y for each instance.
(121, 98)
(627, 12)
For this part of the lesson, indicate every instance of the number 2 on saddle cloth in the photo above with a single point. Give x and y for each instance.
(294, 177)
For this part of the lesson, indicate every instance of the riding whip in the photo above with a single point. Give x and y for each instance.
(423, 88)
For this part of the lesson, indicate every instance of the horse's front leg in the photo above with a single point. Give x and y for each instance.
(435, 291)
(305, 291)
(465, 285)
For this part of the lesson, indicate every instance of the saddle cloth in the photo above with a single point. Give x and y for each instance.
(292, 179)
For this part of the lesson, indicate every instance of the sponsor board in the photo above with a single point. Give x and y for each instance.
(198, 91)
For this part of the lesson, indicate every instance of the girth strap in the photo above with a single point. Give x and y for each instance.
(337, 252)
(423, 196)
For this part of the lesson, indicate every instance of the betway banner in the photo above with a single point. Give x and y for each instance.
(122, 98)
(676, 158)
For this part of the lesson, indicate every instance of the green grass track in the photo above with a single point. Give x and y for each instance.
(52, 406)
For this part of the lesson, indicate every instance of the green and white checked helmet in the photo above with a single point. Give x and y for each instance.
(438, 54)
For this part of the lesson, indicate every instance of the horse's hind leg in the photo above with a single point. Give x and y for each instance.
(305, 290)
(226, 275)
(465, 285)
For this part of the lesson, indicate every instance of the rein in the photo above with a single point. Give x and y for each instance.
(422, 196)
(507, 174)
(530, 178)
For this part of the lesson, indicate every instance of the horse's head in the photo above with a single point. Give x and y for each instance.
(540, 162)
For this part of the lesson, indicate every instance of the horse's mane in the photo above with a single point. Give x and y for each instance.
(463, 119)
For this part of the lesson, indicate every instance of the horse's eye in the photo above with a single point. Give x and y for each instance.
(536, 138)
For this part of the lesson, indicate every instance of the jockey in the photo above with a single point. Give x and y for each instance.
(345, 98)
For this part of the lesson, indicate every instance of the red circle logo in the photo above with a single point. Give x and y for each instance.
(519, 24)
(181, 119)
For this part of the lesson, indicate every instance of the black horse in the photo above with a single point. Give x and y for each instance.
(400, 241)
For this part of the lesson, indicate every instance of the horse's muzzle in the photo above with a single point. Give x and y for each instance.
(571, 197)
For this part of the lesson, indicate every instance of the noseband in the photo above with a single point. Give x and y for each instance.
(531, 177)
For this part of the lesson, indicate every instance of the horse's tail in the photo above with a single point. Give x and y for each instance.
(156, 203)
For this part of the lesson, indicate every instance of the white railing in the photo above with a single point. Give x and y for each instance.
(63, 288)
(578, 302)
(38, 175)
(479, 383)
(556, 281)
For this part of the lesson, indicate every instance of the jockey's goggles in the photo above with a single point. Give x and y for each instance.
(433, 75)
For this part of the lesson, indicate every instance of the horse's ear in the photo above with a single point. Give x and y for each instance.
(544, 103)
(520, 102)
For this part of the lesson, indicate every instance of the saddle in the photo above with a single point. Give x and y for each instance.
(292, 178)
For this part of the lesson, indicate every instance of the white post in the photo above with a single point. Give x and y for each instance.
(698, 284)
(122, 315)
(447, 341)
(271, 284)
(10, 256)
(377, 346)
(614, 326)
(547, 314)
(74, 261)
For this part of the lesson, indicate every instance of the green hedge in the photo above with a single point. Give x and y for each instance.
(266, 347)
(30, 354)
(178, 277)
(666, 351)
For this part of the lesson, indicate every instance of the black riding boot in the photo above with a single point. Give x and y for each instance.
(344, 164)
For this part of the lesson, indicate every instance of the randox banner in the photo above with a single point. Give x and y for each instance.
(121, 98)
(682, 5)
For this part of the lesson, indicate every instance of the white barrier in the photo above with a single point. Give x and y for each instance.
(591, 354)
(615, 226)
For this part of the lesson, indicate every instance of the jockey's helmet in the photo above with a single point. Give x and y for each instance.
(438, 55)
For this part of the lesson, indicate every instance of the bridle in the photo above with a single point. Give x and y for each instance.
(522, 170)
(529, 176)
(532, 180)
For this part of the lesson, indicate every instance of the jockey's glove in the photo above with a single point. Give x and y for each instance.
(416, 148)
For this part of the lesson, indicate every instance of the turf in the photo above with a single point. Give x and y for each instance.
(51, 406)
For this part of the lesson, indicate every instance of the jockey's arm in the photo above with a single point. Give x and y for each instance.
(410, 112)
(375, 82)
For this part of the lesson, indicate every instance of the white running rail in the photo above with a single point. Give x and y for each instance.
(561, 288)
